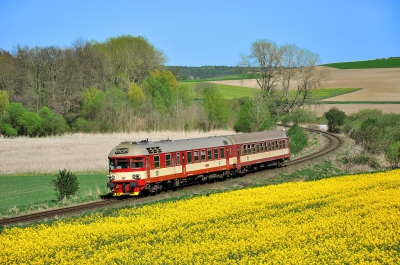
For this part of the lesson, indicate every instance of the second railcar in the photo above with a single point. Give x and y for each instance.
(149, 167)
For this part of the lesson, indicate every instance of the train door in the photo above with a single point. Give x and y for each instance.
(238, 156)
(147, 167)
(227, 155)
(183, 164)
(173, 158)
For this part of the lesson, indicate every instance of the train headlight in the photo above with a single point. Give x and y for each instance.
(111, 177)
(135, 176)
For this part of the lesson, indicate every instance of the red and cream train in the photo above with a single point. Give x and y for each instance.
(147, 167)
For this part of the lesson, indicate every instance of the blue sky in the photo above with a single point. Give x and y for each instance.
(210, 32)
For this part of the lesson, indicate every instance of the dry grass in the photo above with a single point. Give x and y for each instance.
(75, 152)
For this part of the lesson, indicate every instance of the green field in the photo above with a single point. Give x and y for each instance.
(35, 192)
(378, 63)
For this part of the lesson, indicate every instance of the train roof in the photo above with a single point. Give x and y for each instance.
(257, 136)
(149, 147)
(133, 148)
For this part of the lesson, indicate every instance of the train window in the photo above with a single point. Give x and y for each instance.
(196, 156)
(156, 161)
(284, 143)
(167, 160)
(249, 148)
(122, 163)
(111, 163)
(189, 157)
(277, 144)
(244, 149)
(280, 144)
(209, 155)
(253, 148)
(178, 159)
(137, 163)
(215, 153)
(262, 147)
(203, 155)
(273, 145)
(257, 148)
(222, 152)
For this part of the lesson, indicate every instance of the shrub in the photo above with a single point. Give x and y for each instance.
(336, 118)
(298, 139)
(392, 154)
(66, 184)
(361, 159)
(9, 131)
(243, 121)
(30, 123)
(14, 111)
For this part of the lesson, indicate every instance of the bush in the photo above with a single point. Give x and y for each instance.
(30, 123)
(243, 121)
(336, 118)
(66, 184)
(298, 139)
(361, 159)
(392, 154)
(9, 131)
(51, 123)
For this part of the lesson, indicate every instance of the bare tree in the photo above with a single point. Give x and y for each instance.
(264, 63)
(281, 69)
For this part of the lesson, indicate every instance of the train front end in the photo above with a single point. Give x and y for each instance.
(128, 172)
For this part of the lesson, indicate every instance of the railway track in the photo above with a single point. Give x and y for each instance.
(334, 142)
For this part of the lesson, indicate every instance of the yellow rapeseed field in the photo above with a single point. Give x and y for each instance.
(341, 220)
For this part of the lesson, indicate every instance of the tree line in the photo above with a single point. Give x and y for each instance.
(202, 72)
(120, 84)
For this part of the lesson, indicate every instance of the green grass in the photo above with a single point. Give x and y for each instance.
(324, 93)
(378, 63)
(232, 92)
(33, 192)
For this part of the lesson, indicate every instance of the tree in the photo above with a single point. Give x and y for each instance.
(4, 101)
(51, 123)
(300, 74)
(298, 139)
(30, 123)
(280, 69)
(66, 184)
(264, 63)
(216, 108)
(129, 59)
(14, 112)
(136, 95)
(243, 120)
(335, 119)
(92, 100)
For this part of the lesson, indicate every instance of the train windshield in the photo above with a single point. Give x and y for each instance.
(119, 163)
(137, 163)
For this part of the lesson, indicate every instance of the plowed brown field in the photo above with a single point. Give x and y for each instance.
(381, 84)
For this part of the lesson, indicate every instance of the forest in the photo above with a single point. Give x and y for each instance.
(120, 84)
